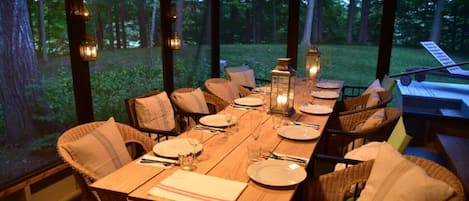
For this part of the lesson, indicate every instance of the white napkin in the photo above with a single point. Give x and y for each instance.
(157, 164)
(190, 186)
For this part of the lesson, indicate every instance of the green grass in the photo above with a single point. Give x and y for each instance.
(123, 73)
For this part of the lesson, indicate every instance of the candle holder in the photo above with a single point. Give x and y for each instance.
(282, 88)
(312, 64)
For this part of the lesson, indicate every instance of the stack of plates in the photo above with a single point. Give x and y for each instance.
(325, 94)
(277, 173)
(316, 109)
(249, 101)
(297, 132)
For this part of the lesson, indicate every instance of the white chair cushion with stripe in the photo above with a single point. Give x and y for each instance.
(393, 177)
(193, 101)
(244, 78)
(155, 112)
(101, 151)
(227, 91)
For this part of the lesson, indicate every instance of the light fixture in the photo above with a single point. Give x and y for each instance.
(175, 41)
(312, 64)
(83, 11)
(282, 88)
(88, 49)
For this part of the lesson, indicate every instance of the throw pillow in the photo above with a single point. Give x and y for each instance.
(102, 151)
(393, 177)
(193, 101)
(374, 120)
(373, 99)
(155, 112)
(245, 78)
(227, 91)
(372, 87)
(363, 153)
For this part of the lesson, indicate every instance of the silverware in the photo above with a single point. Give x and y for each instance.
(164, 163)
(208, 128)
(316, 126)
(243, 107)
(286, 157)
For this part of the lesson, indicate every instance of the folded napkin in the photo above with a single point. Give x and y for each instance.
(156, 158)
(190, 186)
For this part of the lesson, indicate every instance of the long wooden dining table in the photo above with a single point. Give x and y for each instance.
(224, 155)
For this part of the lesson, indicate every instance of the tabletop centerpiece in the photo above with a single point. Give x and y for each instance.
(282, 88)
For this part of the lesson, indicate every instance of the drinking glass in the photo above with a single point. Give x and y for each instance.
(194, 138)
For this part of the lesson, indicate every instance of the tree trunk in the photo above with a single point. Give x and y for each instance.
(363, 33)
(317, 16)
(19, 74)
(123, 17)
(118, 29)
(152, 31)
(42, 30)
(274, 22)
(437, 18)
(350, 17)
(99, 31)
(142, 23)
(110, 29)
(180, 17)
(306, 40)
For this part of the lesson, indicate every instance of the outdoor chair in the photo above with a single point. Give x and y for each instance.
(193, 104)
(361, 103)
(225, 89)
(349, 91)
(336, 186)
(156, 115)
(350, 131)
(244, 76)
(133, 139)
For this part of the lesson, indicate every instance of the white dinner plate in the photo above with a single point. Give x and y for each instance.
(316, 109)
(217, 120)
(171, 148)
(325, 94)
(276, 172)
(328, 85)
(249, 101)
(296, 132)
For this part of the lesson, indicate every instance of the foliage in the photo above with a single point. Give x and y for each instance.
(45, 143)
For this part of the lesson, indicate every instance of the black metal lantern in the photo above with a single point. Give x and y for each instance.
(282, 88)
(312, 64)
(88, 49)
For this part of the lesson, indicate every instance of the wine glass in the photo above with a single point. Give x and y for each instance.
(194, 138)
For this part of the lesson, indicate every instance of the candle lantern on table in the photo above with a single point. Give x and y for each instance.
(88, 49)
(312, 64)
(282, 88)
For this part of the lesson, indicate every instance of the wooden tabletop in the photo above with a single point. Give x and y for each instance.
(223, 156)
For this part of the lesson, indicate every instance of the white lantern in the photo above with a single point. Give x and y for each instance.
(282, 88)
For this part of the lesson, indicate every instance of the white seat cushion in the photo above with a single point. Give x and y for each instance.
(155, 112)
(102, 151)
(193, 101)
(393, 177)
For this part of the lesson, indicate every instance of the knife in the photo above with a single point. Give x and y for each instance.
(316, 126)
(147, 160)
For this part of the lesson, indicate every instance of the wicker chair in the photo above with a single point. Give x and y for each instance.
(340, 132)
(242, 91)
(358, 104)
(333, 186)
(214, 104)
(353, 91)
(84, 177)
(133, 120)
(244, 67)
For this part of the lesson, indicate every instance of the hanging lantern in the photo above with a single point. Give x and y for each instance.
(88, 49)
(312, 64)
(175, 41)
(282, 88)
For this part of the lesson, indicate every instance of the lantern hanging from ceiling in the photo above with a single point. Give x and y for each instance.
(282, 88)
